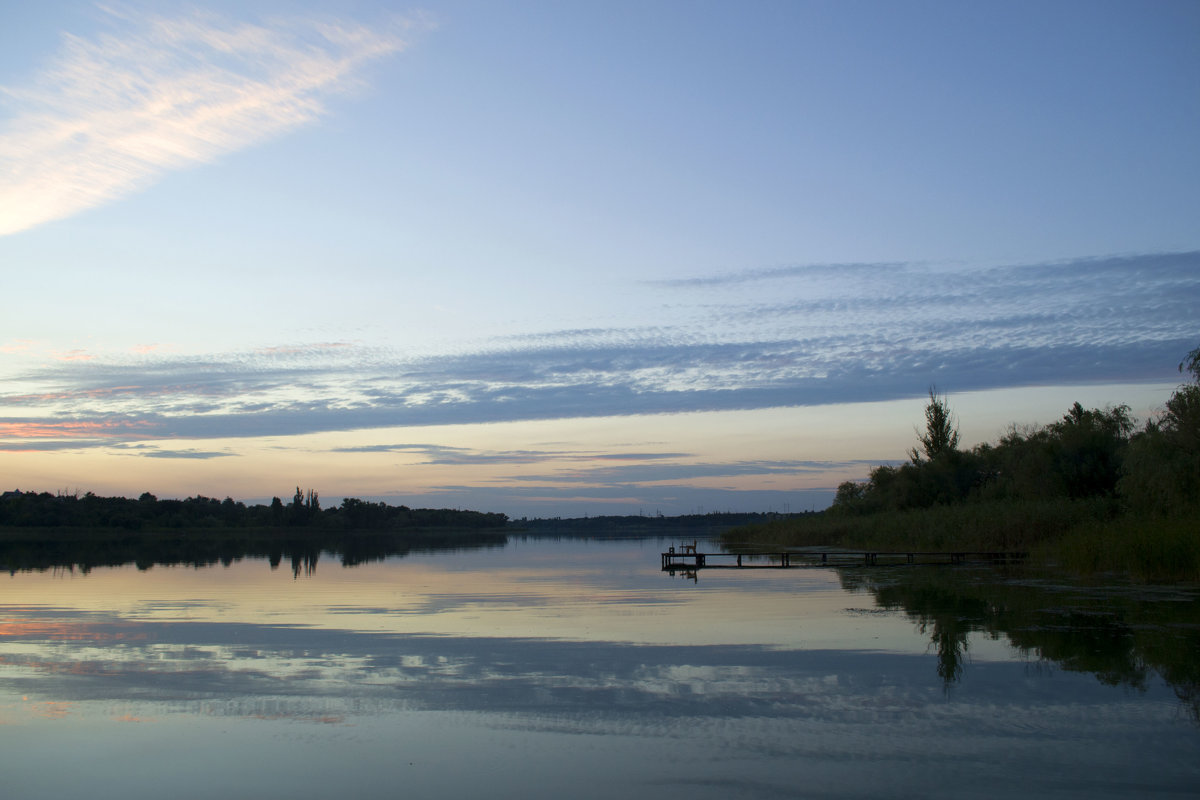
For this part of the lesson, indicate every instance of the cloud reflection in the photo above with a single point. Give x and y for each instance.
(305, 671)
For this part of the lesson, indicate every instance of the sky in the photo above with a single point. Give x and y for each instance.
(567, 259)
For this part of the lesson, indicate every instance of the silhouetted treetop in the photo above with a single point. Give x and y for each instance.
(941, 431)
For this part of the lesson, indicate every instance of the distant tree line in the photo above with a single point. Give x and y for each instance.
(69, 510)
(1088, 453)
(709, 524)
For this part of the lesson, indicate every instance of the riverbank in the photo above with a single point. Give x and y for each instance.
(1085, 537)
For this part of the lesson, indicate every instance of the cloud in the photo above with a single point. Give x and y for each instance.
(544, 499)
(150, 451)
(47, 446)
(75, 355)
(629, 474)
(435, 454)
(16, 346)
(1118, 319)
(804, 271)
(110, 114)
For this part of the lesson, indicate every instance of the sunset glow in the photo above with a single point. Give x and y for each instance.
(616, 259)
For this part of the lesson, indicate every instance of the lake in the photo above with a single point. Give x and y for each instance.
(577, 668)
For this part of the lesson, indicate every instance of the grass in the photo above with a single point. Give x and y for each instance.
(1147, 549)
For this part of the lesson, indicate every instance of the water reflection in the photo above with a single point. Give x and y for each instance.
(303, 548)
(1122, 634)
(245, 670)
(579, 670)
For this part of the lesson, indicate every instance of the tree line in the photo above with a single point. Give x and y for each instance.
(70, 510)
(1088, 454)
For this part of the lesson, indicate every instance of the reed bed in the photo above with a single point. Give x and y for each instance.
(1082, 536)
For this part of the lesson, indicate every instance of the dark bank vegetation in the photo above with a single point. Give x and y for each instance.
(1091, 492)
(69, 510)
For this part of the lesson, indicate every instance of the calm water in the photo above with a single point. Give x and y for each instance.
(578, 669)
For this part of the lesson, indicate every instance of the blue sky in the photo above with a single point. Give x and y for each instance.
(549, 258)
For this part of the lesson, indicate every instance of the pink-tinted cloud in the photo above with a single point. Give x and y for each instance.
(17, 346)
(109, 115)
(74, 355)
(72, 429)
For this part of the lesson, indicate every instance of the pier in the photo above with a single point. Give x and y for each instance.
(689, 559)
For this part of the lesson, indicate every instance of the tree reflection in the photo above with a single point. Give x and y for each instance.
(93, 549)
(1124, 635)
(946, 616)
(306, 561)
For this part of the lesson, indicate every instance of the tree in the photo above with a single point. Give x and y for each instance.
(850, 496)
(1161, 474)
(297, 511)
(1191, 362)
(1181, 418)
(1087, 447)
(941, 430)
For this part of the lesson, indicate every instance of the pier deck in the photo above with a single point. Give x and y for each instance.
(689, 559)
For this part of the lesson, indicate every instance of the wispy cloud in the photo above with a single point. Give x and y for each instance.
(435, 454)
(110, 114)
(75, 355)
(629, 474)
(1119, 319)
(153, 451)
(676, 498)
(840, 271)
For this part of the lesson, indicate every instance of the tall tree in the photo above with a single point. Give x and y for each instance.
(941, 430)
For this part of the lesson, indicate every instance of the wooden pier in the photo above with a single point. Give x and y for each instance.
(687, 558)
